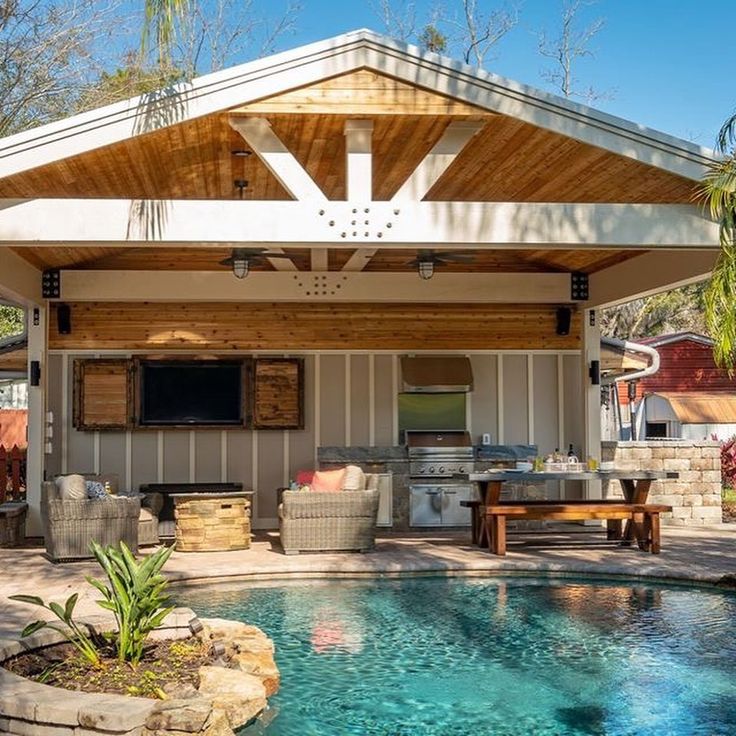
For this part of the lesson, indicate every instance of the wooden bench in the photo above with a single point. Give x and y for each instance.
(643, 518)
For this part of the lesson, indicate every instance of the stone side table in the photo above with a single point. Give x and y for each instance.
(212, 522)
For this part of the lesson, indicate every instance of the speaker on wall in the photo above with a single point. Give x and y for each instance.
(564, 315)
(35, 372)
(64, 319)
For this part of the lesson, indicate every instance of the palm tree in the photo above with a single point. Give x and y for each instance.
(161, 18)
(718, 191)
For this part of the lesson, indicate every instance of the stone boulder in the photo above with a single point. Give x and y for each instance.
(262, 665)
(240, 695)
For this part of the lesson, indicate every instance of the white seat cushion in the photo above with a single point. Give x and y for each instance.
(72, 487)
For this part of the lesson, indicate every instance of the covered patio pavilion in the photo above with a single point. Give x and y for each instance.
(353, 156)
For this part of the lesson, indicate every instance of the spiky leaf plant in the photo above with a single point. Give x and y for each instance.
(75, 633)
(135, 593)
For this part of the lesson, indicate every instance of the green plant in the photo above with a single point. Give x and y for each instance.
(135, 595)
(74, 632)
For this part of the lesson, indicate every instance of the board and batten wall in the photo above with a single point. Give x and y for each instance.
(350, 399)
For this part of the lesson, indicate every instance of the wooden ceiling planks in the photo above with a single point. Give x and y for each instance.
(362, 92)
(386, 260)
(508, 160)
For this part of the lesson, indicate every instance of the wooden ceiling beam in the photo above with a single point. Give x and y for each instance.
(360, 258)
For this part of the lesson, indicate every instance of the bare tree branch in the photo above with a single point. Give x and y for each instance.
(566, 48)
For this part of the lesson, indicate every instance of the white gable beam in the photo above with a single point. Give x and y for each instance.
(648, 274)
(319, 259)
(281, 264)
(540, 288)
(435, 163)
(359, 259)
(280, 161)
(20, 282)
(425, 224)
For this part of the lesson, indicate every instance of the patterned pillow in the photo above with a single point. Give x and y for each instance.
(95, 490)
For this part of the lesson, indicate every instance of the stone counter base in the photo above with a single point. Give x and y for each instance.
(227, 697)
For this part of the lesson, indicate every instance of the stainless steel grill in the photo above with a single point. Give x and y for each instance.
(439, 454)
(434, 458)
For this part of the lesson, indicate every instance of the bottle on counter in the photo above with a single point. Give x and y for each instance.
(570, 451)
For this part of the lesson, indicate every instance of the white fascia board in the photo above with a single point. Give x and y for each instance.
(307, 286)
(308, 64)
(649, 274)
(459, 224)
(20, 282)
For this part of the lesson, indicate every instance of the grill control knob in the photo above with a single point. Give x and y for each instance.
(431, 470)
(442, 468)
(461, 469)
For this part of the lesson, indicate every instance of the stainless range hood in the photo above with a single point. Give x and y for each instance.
(435, 375)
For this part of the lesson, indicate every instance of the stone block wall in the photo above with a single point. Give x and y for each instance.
(695, 496)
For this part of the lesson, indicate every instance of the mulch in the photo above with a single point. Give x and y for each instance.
(166, 665)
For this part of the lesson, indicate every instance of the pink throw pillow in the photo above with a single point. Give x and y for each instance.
(328, 481)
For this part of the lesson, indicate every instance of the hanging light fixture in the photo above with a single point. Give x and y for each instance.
(239, 261)
(425, 268)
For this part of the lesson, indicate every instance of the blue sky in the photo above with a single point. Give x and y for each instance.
(668, 64)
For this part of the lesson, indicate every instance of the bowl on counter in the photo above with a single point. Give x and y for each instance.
(524, 466)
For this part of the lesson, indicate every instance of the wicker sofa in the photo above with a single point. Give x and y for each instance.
(70, 525)
(320, 522)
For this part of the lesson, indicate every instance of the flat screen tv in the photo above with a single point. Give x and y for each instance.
(198, 393)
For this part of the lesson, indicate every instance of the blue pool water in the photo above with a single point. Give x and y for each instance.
(515, 656)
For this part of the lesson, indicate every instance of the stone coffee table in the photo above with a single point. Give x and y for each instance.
(212, 522)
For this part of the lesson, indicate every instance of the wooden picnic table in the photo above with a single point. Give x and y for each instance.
(642, 519)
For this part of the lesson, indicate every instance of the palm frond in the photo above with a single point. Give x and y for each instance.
(727, 135)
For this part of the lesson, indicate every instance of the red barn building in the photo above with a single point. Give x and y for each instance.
(688, 396)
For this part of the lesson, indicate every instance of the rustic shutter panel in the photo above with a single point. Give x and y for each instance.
(278, 393)
(103, 394)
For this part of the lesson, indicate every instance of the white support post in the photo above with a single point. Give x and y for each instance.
(35, 457)
(591, 353)
(358, 140)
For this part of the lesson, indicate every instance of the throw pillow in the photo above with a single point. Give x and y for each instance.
(71, 487)
(354, 479)
(95, 489)
(304, 478)
(328, 481)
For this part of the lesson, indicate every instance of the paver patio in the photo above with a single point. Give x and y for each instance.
(703, 555)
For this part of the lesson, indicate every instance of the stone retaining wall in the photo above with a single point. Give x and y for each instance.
(228, 697)
(695, 496)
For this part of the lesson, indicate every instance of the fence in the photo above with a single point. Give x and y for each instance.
(12, 474)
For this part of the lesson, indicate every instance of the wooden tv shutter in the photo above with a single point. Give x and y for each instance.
(278, 393)
(103, 394)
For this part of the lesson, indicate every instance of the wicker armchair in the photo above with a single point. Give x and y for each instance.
(322, 522)
(69, 526)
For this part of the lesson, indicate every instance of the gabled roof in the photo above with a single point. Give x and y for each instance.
(340, 55)
(673, 337)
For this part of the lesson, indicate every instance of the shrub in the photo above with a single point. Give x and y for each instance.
(728, 462)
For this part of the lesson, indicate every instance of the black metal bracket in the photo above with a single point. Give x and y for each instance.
(579, 286)
(51, 283)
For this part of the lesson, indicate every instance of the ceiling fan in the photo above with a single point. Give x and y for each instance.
(241, 259)
(426, 260)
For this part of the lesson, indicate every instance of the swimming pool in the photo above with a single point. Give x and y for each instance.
(504, 656)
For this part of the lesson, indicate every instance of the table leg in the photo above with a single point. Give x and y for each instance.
(498, 534)
(655, 532)
(614, 529)
(474, 525)
(634, 492)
